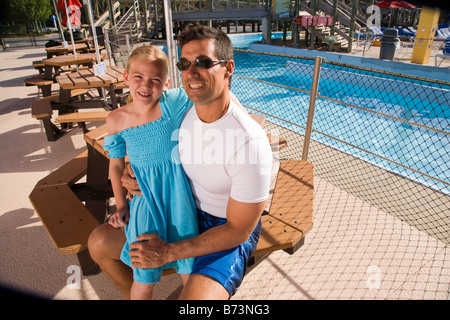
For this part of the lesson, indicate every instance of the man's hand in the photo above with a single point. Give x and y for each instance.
(149, 252)
(130, 183)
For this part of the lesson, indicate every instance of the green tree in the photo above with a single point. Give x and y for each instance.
(30, 10)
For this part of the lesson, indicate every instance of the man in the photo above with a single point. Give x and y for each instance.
(227, 158)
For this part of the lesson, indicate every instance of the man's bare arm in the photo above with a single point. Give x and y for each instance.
(242, 219)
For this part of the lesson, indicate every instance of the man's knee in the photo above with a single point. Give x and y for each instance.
(105, 240)
(202, 287)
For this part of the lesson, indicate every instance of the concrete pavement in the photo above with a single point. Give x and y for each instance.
(354, 251)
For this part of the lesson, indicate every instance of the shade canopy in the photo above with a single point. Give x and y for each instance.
(395, 4)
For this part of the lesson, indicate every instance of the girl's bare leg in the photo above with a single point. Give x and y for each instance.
(141, 291)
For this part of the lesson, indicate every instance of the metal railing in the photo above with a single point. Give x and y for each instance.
(381, 136)
(211, 5)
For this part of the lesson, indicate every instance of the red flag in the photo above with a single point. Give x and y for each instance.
(74, 11)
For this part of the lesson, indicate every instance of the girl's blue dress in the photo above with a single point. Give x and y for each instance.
(167, 206)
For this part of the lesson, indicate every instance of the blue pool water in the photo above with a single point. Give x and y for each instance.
(242, 41)
(427, 104)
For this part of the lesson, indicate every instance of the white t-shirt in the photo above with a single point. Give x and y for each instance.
(229, 157)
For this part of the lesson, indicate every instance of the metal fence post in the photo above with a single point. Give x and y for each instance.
(312, 103)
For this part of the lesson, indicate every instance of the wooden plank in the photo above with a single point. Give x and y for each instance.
(65, 82)
(292, 200)
(83, 116)
(65, 218)
(276, 235)
(77, 80)
(116, 73)
(90, 77)
(68, 174)
(96, 134)
(37, 80)
(290, 215)
(277, 143)
(61, 49)
(107, 78)
(42, 107)
(67, 60)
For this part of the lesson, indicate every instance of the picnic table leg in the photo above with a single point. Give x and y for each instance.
(46, 90)
(52, 131)
(88, 266)
(97, 177)
(64, 95)
(48, 72)
(112, 94)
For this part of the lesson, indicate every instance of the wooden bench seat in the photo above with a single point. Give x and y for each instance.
(277, 143)
(67, 221)
(92, 50)
(39, 65)
(42, 109)
(65, 218)
(68, 174)
(41, 83)
(82, 117)
(290, 216)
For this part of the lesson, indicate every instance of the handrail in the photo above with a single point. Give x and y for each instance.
(131, 12)
(105, 15)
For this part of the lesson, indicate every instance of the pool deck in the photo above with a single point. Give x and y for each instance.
(354, 251)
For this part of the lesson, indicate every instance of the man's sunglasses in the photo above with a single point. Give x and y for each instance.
(201, 63)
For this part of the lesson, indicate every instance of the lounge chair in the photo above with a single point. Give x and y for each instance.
(404, 32)
(445, 32)
(376, 32)
(412, 30)
(445, 52)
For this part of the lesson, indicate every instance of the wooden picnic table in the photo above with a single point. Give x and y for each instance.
(57, 62)
(58, 50)
(84, 205)
(89, 42)
(86, 79)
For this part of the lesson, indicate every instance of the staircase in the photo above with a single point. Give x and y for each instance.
(135, 26)
(342, 26)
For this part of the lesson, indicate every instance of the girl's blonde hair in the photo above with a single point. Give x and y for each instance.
(149, 52)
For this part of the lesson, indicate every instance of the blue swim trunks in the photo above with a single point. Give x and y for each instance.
(227, 267)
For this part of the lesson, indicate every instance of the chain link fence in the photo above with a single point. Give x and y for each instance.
(380, 136)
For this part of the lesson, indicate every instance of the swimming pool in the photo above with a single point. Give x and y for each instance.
(380, 132)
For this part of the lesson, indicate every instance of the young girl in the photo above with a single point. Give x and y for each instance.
(143, 130)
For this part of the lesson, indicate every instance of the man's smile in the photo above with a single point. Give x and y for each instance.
(196, 85)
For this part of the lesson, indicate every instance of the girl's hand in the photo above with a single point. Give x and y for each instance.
(119, 218)
(130, 183)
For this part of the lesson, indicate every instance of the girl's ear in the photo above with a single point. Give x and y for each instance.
(166, 85)
(125, 77)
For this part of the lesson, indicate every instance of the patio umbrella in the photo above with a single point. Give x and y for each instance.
(394, 4)
(72, 11)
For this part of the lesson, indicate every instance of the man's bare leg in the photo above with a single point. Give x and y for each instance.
(105, 246)
(201, 287)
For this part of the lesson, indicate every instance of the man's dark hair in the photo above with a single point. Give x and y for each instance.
(224, 47)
